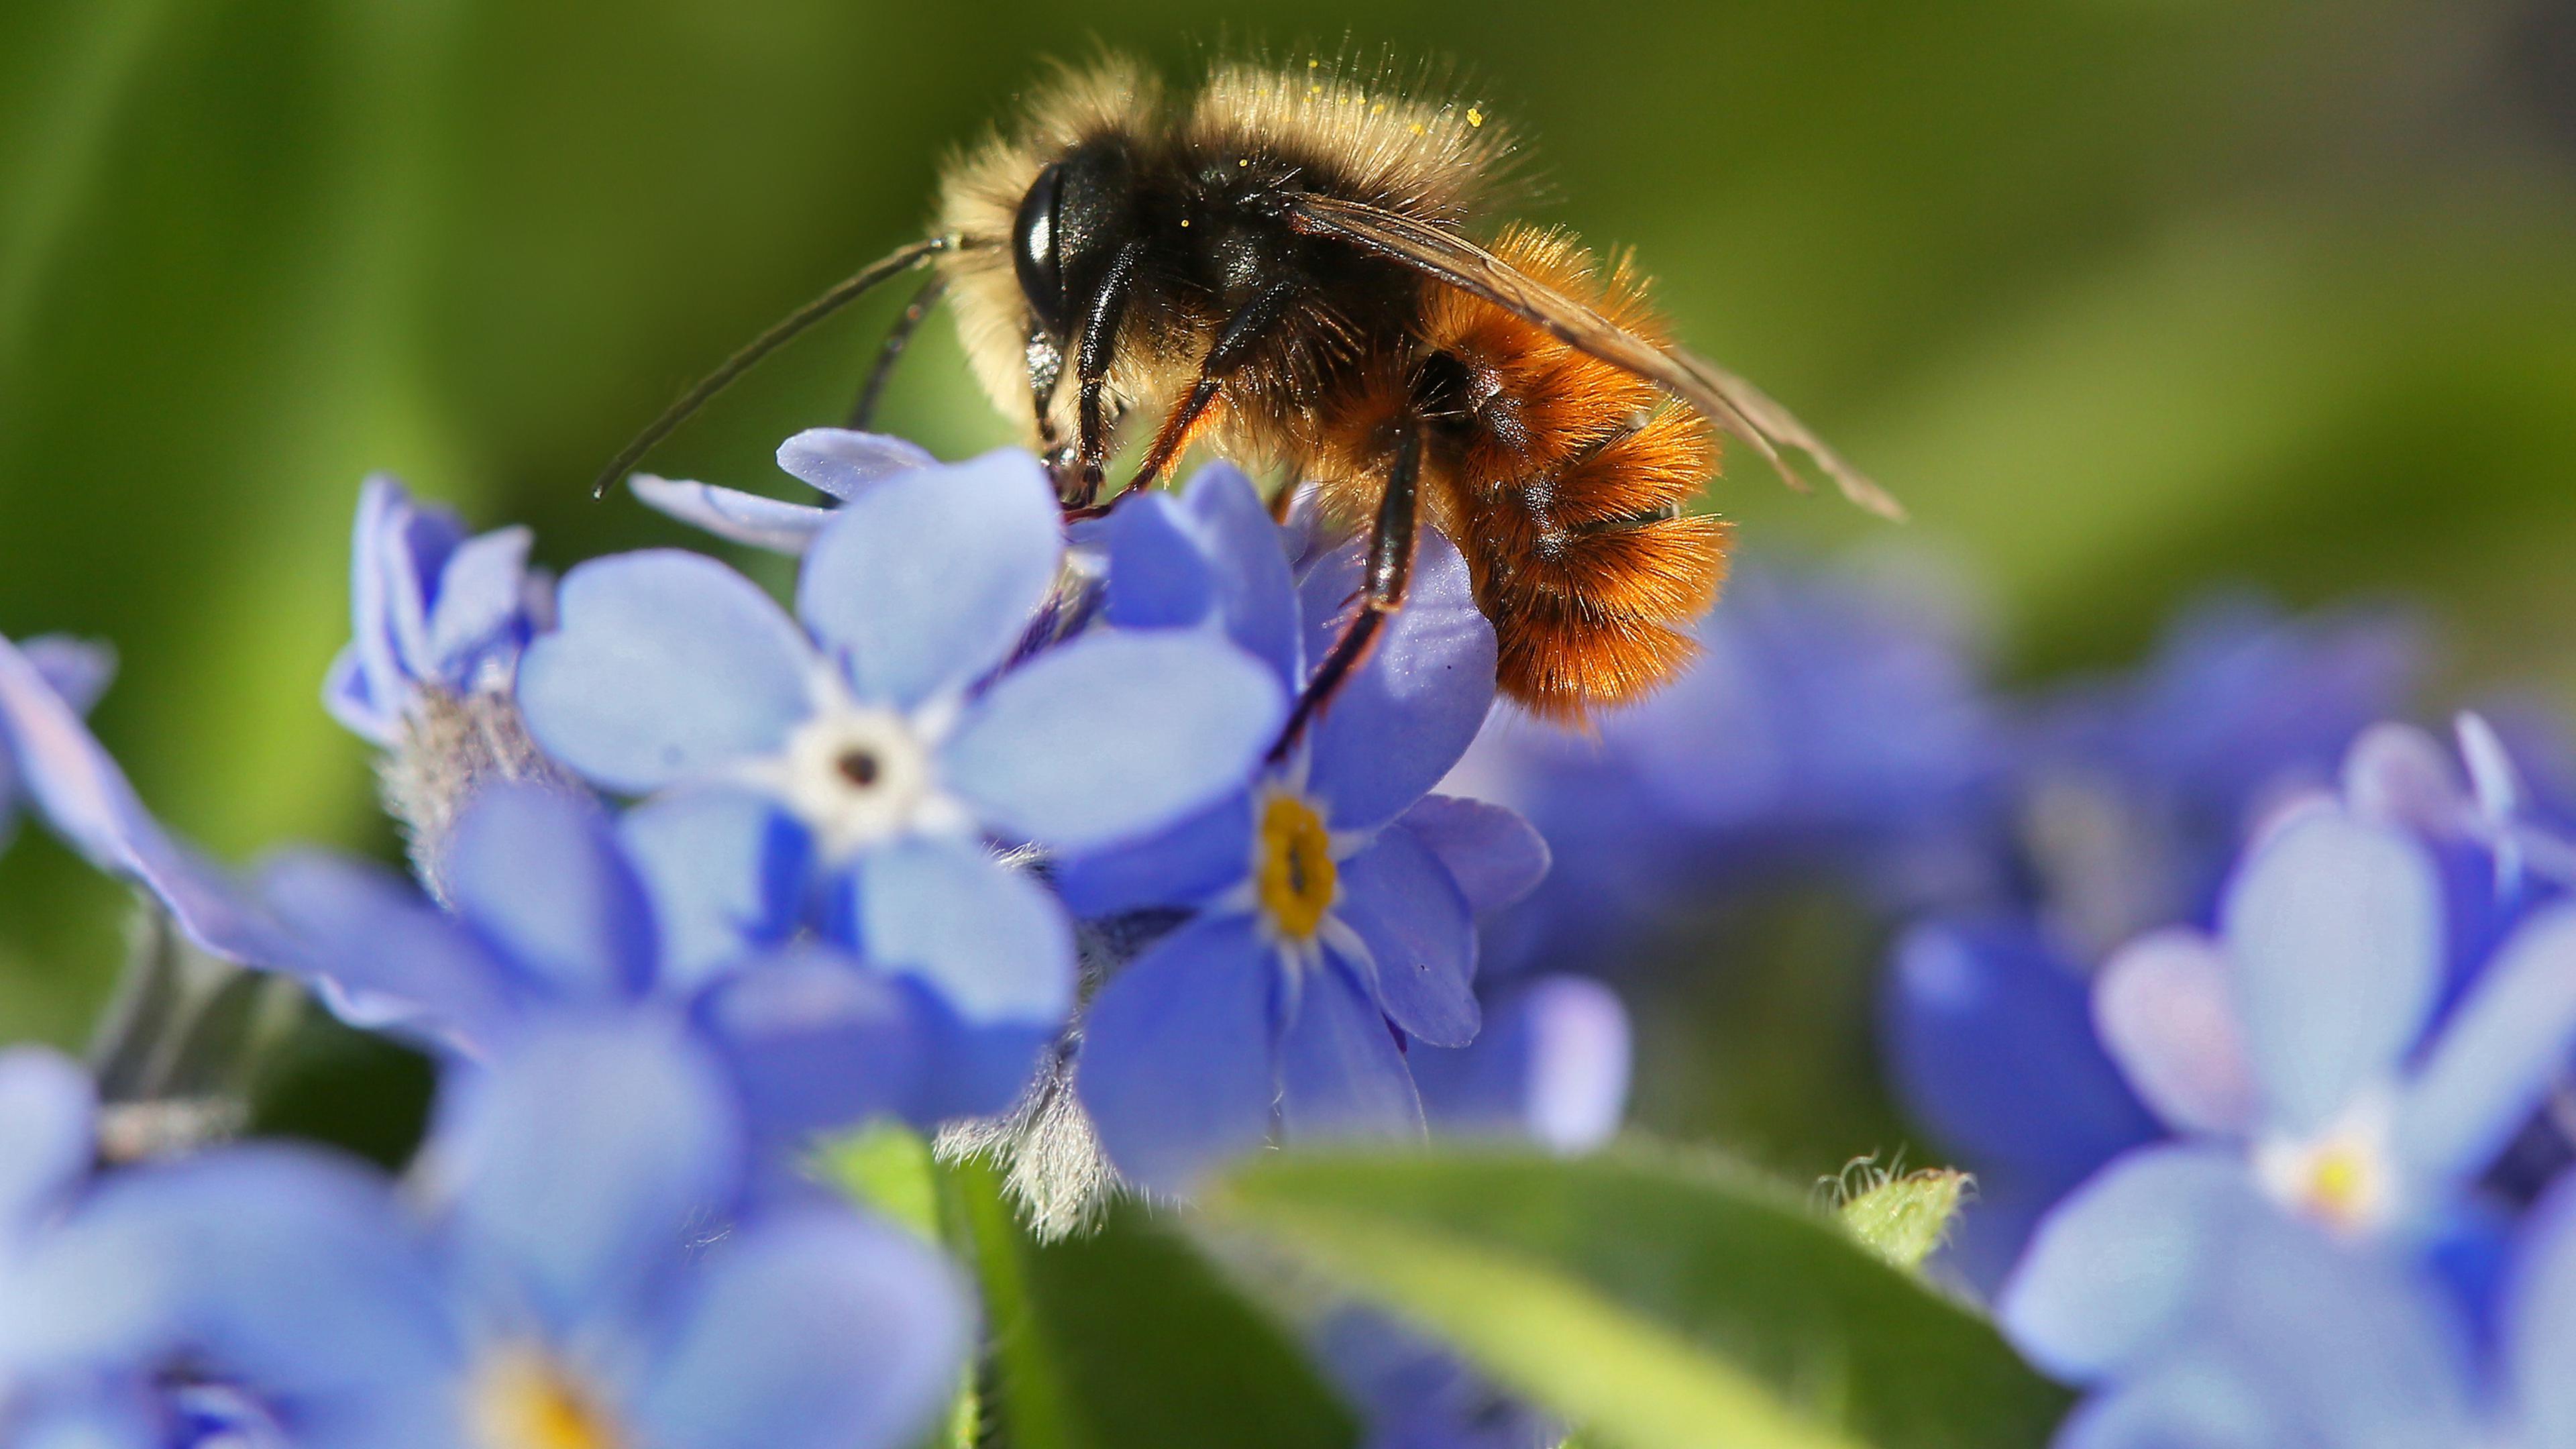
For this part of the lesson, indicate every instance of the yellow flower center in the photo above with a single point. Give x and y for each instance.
(1294, 869)
(2339, 1186)
(523, 1400)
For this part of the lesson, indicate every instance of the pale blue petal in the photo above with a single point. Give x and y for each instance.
(818, 1040)
(383, 957)
(1406, 716)
(730, 513)
(1495, 856)
(48, 1134)
(667, 665)
(2165, 1008)
(926, 582)
(811, 1330)
(2499, 1055)
(1113, 735)
(1159, 578)
(2539, 1318)
(1190, 862)
(348, 695)
(1551, 1066)
(725, 869)
(1340, 1073)
(1410, 914)
(86, 799)
(538, 873)
(575, 1166)
(845, 463)
(2336, 931)
(1176, 1069)
(77, 669)
(992, 942)
(482, 601)
(2116, 1269)
(2195, 1403)
(1256, 594)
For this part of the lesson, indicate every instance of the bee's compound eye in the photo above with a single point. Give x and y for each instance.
(1036, 248)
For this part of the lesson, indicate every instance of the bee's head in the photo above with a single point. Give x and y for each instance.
(1072, 220)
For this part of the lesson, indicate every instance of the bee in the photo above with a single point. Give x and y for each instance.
(1283, 267)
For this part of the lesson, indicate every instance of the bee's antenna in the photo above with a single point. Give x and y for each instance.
(840, 296)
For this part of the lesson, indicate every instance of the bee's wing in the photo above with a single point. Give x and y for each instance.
(1725, 399)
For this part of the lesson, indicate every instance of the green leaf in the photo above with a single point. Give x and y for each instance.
(1650, 1299)
(1903, 1217)
(1125, 1338)
(887, 1166)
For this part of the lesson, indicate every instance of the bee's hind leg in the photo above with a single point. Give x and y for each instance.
(1389, 575)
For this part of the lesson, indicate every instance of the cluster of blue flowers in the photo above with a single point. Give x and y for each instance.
(2256, 1016)
(995, 834)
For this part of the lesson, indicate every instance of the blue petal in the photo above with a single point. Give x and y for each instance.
(2115, 1271)
(1113, 735)
(383, 957)
(1185, 864)
(1411, 711)
(1256, 594)
(725, 869)
(1973, 1014)
(86, 799)
(2165, 1008)
(845, 463)
(577, 1164)
(48, 1134)
(667, 665)
(1408, 911)
(992, 942)
(77, 670)
(1176, 1066)
(1550, 1066)
(2539, 1320)
(1158, 577)
(2336, 931)
(1340, 1073)
(817, 1041)
(292, 1271)
(482, 602)
(538, 872)
(349, 696)
(729, 513)
(1495, 856)
(810, 1330)
(2499, 1055)
(928, 580)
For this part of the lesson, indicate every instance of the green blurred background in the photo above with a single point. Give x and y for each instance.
(2124, 296)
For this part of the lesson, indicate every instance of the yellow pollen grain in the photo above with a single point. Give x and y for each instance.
(1416, 128)
(1475, 117)
(521, 1401)
(1296, 877)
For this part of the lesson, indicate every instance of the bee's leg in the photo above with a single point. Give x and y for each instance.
(898, 337)
(1091, 367)
(1046, 369)
(1389, 574)
(1244, 332)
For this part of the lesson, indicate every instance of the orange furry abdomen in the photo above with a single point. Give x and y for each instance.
(1565, 487)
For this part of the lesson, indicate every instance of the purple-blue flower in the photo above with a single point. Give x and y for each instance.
(77, 673)
(866, 749)
(834, 461)
(1331, 904)
(430, 608)
(576, 1268)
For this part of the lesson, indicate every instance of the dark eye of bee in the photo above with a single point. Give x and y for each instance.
(1035, 251)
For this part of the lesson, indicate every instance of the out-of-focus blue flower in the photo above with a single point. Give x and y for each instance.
(1835, 722)
(834, 461)
(585, 1274)
(1550, 1067)
(81, 1332)
(80, 793)
(864, 756)
(1414, 1394)
(1331, 903)
(430, 608)
(555, 914)
(77, 673)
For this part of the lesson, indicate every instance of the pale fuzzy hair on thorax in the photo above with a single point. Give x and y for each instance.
(1397, 141)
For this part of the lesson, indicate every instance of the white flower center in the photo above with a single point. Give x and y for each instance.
(857, 775)
(2344, 1178)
